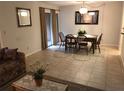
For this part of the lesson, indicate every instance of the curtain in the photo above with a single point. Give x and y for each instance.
(57, 28)
(54, 26)
(43, 28)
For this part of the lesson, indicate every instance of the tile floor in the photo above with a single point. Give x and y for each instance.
(103, 70)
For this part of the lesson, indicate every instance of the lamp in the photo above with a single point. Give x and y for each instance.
(83, 10)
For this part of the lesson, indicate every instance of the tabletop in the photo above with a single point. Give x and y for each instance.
(27, 82)
(87, 35)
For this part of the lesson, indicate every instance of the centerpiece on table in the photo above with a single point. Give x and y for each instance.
(38, 75)
(81, 32)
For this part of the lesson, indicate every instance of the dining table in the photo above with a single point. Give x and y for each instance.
(89, 38)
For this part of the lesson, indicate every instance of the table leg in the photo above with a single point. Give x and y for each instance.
(94, 45)
(93, 48)
(65, 44)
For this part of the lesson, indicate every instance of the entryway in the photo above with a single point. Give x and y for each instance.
(49, 27)
(48, 17)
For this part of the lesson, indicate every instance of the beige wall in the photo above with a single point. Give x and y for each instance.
(109, 22)
(27, 39)
(1, 43)
(122, 38)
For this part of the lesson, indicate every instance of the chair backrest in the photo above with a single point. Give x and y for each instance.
(62, 37)
(70, 38)
(99, 38)
(81, 38)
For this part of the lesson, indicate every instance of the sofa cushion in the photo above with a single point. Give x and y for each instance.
(8, 68)
(10, 54)
(11, 69)
(2, 51)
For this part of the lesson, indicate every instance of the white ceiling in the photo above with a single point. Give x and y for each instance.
(62, 3)
(65, 3)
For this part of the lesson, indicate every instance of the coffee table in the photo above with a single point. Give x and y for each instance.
(27, 83)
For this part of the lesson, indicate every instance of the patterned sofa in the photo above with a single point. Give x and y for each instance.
(11, 69)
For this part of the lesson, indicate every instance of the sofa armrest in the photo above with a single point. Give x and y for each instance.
(21, 56)
(21, 59)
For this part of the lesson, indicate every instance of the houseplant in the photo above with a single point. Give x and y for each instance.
(81, 32)
(38, 76)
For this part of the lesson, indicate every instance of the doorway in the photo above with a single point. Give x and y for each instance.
(48, 17)
(49, 27)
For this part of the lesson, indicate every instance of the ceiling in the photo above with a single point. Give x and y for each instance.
(65, 3)
(62, 3)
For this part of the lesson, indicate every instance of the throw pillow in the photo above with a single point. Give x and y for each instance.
(2, 50)
(10, 54)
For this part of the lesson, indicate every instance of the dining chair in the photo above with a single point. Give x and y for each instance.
(82, 43)
(71, 41)
(99, 41)
(62, 38)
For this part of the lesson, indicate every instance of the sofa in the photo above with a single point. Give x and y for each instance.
(11, 67)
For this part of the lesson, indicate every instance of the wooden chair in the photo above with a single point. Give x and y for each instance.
(71, 41)
(62, 38)
(82, 43)
(99, 41)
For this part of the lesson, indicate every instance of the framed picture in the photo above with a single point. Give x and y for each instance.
(90, 18)
(23, 17)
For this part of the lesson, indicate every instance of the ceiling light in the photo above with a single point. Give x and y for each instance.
(83, 10)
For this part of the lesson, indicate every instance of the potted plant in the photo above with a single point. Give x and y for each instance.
(38, 76)
(81, 32)
(85, 32)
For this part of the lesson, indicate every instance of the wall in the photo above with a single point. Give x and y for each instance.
(121, 48)
(1, 43)
(109, 22)
(27, 39)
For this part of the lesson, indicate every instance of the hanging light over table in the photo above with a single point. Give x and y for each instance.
(83, 9)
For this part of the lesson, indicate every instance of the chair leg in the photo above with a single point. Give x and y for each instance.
(60, 44)
(99, 49)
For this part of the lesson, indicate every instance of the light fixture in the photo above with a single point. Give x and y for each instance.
(83, 9)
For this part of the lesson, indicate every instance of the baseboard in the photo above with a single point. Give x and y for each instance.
(110, 45)
(33, 52)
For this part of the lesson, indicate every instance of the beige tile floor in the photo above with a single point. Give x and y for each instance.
(100, 70)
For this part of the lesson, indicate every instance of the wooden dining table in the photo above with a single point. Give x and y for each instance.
(89, 38)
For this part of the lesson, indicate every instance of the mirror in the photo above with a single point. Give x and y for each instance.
(90, 18)
(23, 17)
